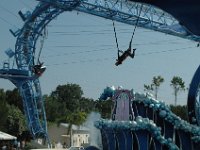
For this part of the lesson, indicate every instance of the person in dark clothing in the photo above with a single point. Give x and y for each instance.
(124, 55)
(39, 69)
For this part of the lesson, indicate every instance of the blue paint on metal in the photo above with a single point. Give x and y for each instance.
(165, 131)
(129, 140)
(150, 113)
(121, 140)
(123, 11)
(193, 99)
(110, 134)
(168, 130)
(142, 111)
(143, 139)
(157, 145)
(185, 11)
(105, 140)
(185, 142)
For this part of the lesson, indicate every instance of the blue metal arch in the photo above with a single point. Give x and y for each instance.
(30, 89)
(25, 48)
(193, 102)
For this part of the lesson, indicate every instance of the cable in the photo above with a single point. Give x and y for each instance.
(26, 5)
(4, 20)
(115, 35)
(136, 24)
(77, 26)
(86, 26)
(74, 53)
(100, 32)
(43, 37)
(106, 59)
(99, 50)
(85, 31)
(132, 34)
(82, 61)
(9, 11)
(110, 45)
(164, 51)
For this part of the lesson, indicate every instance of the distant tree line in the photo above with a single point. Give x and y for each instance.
(12, 119)
(65, 104)
(176, 83)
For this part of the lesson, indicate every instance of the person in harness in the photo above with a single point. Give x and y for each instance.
(39, 69)
(124, 55)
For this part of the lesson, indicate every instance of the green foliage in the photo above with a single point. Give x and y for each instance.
(69, 95)
(156, 82)
(16, 121)
(2, 95)
(3, 110)
(66, 104)
(148, 88)
(13, 98)
(86, 105)
(180, 111)
(178, 85)
(12, 119)
(76, 118)
(105, 108)
(54, 109)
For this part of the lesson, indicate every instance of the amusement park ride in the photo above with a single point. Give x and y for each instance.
(172, 17)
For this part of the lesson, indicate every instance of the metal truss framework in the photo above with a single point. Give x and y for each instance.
(34, 23)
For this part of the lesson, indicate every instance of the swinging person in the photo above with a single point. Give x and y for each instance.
(124, 55)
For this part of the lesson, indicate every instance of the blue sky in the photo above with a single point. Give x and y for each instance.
(81, 49)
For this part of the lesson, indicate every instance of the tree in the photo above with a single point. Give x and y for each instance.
(156, 82)
(65, 100)
(3, 110)
(178, 85)
(13, 98)
(12, 119)
(69, 95)
(105, 108)
(87, 105)
(16, 121)
(68, 105)
(54, 109)
(180, 111)
(76, 118)
(73, 118)
(148, 88)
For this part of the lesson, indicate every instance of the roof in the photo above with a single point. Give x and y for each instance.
(5, 136)
(74, 127)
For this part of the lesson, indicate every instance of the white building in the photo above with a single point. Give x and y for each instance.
(79, 135)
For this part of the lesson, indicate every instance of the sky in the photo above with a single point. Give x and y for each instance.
(81, 49)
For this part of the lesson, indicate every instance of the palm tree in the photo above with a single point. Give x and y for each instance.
(156, 82)
(148, 88)
(178, 85)
(76, 118)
